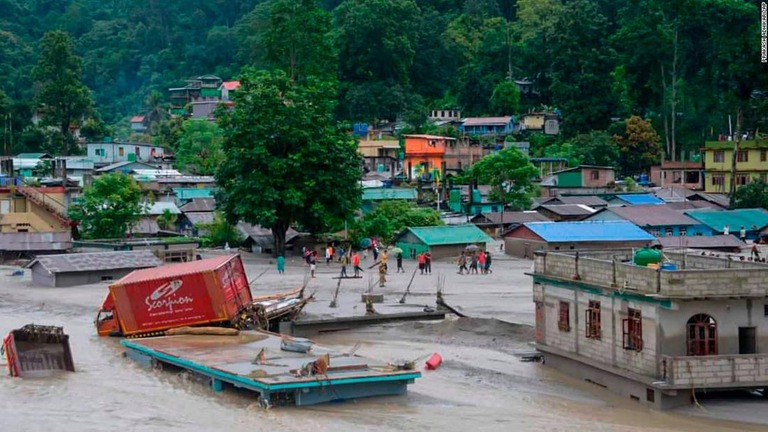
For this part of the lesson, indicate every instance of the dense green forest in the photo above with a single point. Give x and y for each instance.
(685, 65)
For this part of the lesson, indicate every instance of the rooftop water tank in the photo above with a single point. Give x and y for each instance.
(646, 256)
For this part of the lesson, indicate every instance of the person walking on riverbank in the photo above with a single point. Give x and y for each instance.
(400, 262)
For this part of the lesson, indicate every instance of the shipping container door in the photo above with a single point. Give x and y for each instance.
(237, 293)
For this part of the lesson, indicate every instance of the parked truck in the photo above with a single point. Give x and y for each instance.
(212, 292)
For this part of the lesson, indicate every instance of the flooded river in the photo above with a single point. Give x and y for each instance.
(482, 385)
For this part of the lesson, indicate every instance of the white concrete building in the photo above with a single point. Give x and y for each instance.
(654, 335)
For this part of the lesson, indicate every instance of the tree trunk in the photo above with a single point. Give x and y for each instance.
(673, 102)
(664, 109)
(736, 142)
(278, 233)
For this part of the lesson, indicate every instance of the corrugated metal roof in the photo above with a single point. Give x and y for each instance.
(735, 219)
(80, 262)
(597, 231)
(640, 199)
(590, 201)
(449, 234)
(378, 194)
(199, 205)
(33, 156)
(511, 217)
(202, 217)
(701, 242)
(487, 121)
(660, 215)
(435, 137)
(174, 270)
(146, 226)
(569, 209)
(159, 207)
(122, 164)
(721, 200)
(192, 193)
(692, 205)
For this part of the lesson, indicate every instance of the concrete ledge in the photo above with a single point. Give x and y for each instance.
(309, 327)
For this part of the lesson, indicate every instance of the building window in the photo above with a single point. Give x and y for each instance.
(99, 152)
(668, 232)
(718, 180)
(683, 231)
(655, 233)
(765, 309)
(632, 327)
(742, 156)
(120, 151)
(595, 175)
(650, 395)
(718, 156)
(763, 155)
(763, 177)
(702, 335)
(593, 320)
(742, 179)
(564, 324)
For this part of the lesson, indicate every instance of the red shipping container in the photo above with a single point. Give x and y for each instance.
(208, 291)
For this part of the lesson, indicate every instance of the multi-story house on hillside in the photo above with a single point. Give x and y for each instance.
(751, 164)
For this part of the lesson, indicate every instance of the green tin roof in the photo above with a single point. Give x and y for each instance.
(735, 219)
(191, 193)
(728, 145)
(449, 234)
(380, 194)
(32, 155)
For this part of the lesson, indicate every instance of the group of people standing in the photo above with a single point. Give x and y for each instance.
(479, 262)
(425, 262)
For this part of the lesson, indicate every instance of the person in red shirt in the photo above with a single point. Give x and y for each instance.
(422, 260)
(356, 263)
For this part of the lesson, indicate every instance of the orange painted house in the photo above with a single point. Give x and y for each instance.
(424, 153)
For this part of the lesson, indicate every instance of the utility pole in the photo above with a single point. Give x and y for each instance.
(736, 142)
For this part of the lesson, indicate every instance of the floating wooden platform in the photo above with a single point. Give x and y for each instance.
(254, 361)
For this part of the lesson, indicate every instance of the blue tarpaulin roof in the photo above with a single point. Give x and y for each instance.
(640, 199)
(602, 231)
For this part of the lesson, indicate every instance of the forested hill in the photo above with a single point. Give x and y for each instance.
(594, 60)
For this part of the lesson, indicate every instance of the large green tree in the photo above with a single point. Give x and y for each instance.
(376, 41)
(199, 149)
(390, 217)
(63, 98)
(109, 207)
(510, 175)
(286, 159)
(299, 40)
(752, 195)
(639, 146)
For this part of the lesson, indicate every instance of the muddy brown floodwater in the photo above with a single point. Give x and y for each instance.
(481, 386)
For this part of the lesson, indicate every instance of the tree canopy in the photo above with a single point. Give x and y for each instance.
(286, 160)
(510, 175)
(199, 147)
(751, 195)
(109, 207)
(62, 98)
(388, 218)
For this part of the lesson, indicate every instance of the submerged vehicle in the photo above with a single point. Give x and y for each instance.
(209, 292)
(37, 349)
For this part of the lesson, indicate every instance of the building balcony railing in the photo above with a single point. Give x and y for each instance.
(716, 371)
(694, 275)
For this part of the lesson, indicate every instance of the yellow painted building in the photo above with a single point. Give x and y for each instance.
(751, 164)
(30, 210)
